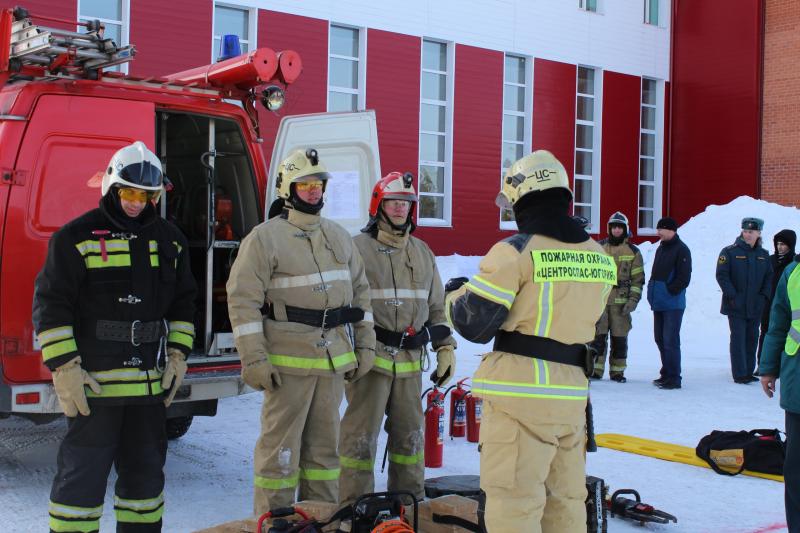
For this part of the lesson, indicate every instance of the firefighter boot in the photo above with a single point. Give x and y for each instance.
(599, 344)
(619, 358)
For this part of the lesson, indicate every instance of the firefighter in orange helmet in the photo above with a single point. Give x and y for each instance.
(408, 306)
(538, 294)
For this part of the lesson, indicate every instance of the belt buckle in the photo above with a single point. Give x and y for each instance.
(134, 325)
(324, 317)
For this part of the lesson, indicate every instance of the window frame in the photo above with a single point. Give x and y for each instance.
(527, 116)
(447, 164)
(252, 27)
(648, 13)
(597, 126)
(360, 91)
(124, 24)
(658, 158)
(583, 5)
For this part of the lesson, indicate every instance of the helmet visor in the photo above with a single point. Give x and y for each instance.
(324, 176)
(143, 174)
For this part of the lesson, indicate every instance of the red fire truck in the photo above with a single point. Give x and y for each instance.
(62, 116)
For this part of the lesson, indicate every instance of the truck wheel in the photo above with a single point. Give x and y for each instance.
(177, 427)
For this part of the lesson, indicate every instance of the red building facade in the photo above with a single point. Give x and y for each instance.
(650, 142)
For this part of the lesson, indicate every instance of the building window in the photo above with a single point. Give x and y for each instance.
(434, 134)
(649, 158)
(651, 12)
(345, 70)
(587, 133)
(516, 120)
(232, 20)
(114, 14)
(588, 5)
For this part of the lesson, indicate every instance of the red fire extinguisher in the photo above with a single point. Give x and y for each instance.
(474, 412)
(434, 428)
(458, 409)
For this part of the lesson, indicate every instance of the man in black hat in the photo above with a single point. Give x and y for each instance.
(784, 242)
(744, 274)
(666, 293)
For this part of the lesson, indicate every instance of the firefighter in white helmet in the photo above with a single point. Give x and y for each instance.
(408, 305)
(623, 300)
(538, 294)
(113, 310)
(295, 290)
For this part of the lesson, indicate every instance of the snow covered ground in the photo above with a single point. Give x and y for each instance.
(209, 472)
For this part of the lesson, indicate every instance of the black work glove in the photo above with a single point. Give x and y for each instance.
(454, 284)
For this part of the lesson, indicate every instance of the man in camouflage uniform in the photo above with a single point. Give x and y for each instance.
(623, 300)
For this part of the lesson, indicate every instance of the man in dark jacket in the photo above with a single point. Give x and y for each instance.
(666, 293)
(784, 242)
(113, 309)
(744, 274)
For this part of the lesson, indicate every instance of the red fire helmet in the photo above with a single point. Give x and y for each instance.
(393, 186)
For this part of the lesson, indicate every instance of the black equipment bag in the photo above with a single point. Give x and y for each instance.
(731, 452)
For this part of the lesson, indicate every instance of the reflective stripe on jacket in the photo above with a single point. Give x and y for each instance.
(534, 285)
(96, 271)
(304, 261)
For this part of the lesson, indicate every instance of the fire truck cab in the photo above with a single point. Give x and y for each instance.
(61, 119)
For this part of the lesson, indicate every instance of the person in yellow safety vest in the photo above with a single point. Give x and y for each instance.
(295, 290)
(621, 303)
(408, 304)
(539, 294)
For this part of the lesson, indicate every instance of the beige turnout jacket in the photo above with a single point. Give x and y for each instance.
(305, 261)
(406, 291)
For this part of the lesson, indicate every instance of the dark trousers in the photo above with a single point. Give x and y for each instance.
(133, 439)
(744, 339)
(791, 471)
(667, 333)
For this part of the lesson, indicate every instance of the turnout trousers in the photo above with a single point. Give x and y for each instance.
(133, 439)
(534, 475)
(619, 325)
(376, 395)
(296, 451)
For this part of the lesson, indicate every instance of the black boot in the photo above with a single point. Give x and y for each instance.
(618, 357)
(599, 346)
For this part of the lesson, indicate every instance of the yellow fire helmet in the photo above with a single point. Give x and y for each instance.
(537, 171)
(299, 165)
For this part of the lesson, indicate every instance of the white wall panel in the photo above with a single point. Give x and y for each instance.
(615, 39)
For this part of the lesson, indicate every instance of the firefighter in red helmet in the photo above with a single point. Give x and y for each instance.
(408, 307)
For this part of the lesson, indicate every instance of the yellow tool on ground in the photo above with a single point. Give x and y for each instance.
(663, 450)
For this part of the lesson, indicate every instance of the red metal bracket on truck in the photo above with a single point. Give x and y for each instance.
(63, 113)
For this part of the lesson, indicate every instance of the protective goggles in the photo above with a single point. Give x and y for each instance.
(309, 185)
(129, 194)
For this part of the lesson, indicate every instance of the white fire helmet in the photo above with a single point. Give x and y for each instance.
(134, 166)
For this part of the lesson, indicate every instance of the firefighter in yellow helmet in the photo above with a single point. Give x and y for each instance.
(295, 290)
(538, 294)
(408, 303)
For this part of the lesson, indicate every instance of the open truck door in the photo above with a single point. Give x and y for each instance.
(348, 148)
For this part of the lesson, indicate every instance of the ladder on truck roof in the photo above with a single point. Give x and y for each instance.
(29, 51)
